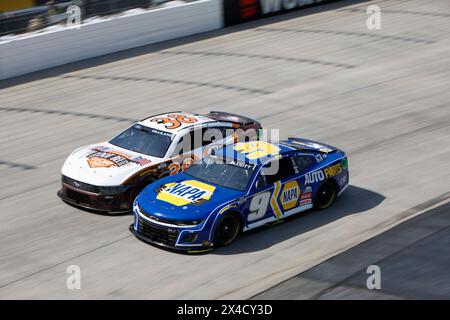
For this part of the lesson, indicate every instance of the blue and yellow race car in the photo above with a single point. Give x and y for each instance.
(237, 188)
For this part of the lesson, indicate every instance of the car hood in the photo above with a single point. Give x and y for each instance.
(104, 164)
(182, 197)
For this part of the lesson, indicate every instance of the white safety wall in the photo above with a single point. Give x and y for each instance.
(53, 48)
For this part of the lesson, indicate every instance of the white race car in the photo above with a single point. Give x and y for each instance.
(108, 176)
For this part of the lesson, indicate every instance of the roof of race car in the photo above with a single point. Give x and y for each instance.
(253, 152)
(175, 121)
(259, 151)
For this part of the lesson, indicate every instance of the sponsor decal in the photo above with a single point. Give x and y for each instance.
(344, 163)
(227, 207)
(272, 6)
(168, 134)
(146, 172)
(248, 8)
(307, 193)
(174, 120)
(326, 173)
(238, 11)
(242, 165)
(333, 170)
(289, 195)
(342, 181)
(313, 177)
(305, 202)
(318, 157)
(104, 157)
(185, 192)
(306, 197)
(256, 149)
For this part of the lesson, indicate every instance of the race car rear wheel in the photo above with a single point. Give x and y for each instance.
(227, 229)
(325, 196)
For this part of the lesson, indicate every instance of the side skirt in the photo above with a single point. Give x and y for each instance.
(273, 218)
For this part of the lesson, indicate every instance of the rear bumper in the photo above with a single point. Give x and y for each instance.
(118, 203)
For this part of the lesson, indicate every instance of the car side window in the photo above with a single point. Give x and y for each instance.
(260, 182)
(187, 143)
(284, 170)
(303, 162)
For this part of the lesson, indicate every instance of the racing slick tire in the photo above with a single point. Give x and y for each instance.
(326, 195)
(227, 229)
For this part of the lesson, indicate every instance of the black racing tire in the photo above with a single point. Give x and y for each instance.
(325, 195)
(227, 229)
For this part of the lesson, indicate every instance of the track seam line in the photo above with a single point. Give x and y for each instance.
(339, 283)
(171, 81)
(396, 11)
(348, 33)
(388, 227)
(259, 56)
(61, 262)
(21, 166)
(21, 193)
(66, 113)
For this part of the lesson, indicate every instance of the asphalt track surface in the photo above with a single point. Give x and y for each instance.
(412, 257)
(383, 96)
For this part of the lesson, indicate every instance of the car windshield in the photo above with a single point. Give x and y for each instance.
(144, 140)
(233, 175)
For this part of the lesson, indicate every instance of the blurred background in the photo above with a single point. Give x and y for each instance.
(20, 16)
(325, 72)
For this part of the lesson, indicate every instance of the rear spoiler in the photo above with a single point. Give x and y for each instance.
(235, 118)
(305, 144)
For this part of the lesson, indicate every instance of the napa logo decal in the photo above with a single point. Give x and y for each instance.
(287, 194)
(186, 192)
(290, 194)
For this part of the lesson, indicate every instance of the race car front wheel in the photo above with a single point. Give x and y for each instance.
(325, 195)
(227, 229)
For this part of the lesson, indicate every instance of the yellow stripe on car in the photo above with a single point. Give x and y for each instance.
(274, 200)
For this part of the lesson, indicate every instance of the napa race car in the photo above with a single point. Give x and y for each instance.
(238, 188)
(107, 176)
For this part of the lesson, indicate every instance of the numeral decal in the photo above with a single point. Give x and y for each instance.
(256, 149)
(176, 167)
(258, 206)
(173, 121)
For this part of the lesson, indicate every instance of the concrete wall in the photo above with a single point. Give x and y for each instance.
(39, 51)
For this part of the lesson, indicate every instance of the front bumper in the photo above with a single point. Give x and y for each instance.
(164, 236)
(117, 203)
